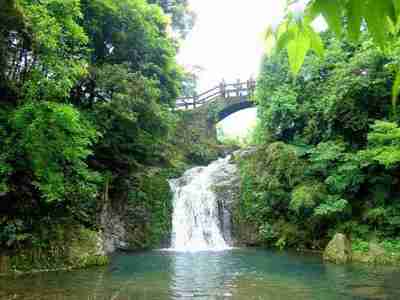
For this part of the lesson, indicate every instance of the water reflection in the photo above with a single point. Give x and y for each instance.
(202, 275)
(228, 275)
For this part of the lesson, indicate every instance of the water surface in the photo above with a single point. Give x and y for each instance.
(235, 274)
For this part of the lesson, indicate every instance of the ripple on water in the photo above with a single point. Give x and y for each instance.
(236, 274)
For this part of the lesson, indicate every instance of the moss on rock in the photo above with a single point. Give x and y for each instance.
(376, 254)
(80, 248)
(338, 249)
(86, 249)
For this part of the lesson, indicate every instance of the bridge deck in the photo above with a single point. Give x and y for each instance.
(232, 91)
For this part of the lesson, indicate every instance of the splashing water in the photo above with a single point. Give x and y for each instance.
(196, 224)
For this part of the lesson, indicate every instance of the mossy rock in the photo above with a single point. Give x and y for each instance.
(80, 248)
(86, 250)
(338, 250)
(4, 264)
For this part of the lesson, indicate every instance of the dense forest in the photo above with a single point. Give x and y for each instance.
(327, 157)
(89, 131)
(87, 93)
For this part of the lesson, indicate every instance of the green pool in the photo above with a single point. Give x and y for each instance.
(235, 274)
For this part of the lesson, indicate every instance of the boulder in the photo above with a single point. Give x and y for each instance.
(243, 153)
(4, 264)
(338, 250)
(86, 249)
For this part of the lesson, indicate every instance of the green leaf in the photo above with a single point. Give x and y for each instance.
(376, 15)
(395, 92)
(284, 35)
(331, 11)
(310, 14)
(354, 17)
(396, 4)
(270, 40)
(297, 49)
(282, 41)
(391, 26)
(394, 21)
(316, 42)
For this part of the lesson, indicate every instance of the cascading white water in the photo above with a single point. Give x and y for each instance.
(196, 224)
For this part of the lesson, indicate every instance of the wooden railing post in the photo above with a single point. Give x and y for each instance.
(194, 101)
(225, 91)
(222, 89)
(252, 86)
(238, 84)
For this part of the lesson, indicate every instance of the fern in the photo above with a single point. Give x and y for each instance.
(331, 207)
(384, 144)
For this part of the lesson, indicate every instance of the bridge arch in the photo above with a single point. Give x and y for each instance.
(214, 105)
(233, 108)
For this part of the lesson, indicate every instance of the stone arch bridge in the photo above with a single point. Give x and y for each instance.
(205, 110)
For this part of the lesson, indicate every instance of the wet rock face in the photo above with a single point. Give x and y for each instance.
(113, 229)
(244, 153)
(227, 191)
(338, 250)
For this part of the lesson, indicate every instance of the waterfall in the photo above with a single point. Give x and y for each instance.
(198, 217)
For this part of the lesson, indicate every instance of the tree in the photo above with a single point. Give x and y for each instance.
(182, 17)
(57, 59)
(133, 33)
(86, 92)
(54, 142)
(350, 17)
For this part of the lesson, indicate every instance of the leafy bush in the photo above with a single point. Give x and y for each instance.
(307, 196)
(360, 245)
(321, 166)
(267, 232)
(392, 246)
(87, 90)
(383, 144)
(332, 207)
(55, 141)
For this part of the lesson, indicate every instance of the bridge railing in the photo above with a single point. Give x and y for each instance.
(223, 90)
